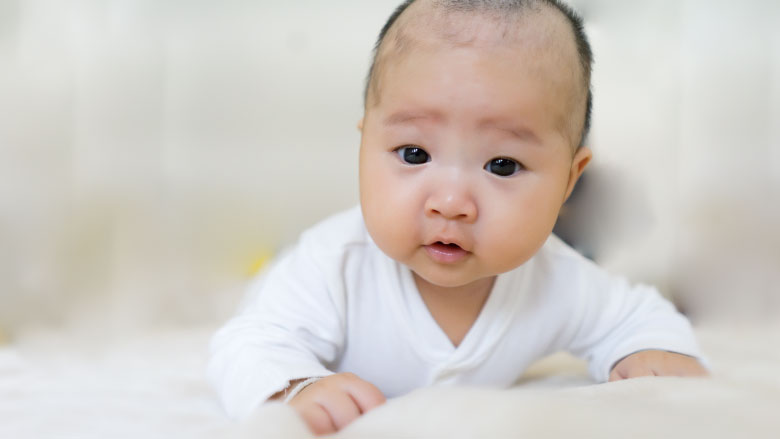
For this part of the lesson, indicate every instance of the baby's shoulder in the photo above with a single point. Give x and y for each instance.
(558, 259)
(556, 251)
(563, 265)
(337, 232)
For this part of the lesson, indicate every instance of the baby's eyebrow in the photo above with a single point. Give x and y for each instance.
(401, 117)
(518, 131)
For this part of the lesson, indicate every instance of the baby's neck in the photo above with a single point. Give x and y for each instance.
(455, 309)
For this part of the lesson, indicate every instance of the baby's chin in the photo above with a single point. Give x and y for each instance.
(448, 278)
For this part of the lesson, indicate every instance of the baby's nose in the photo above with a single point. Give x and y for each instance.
(453, 202)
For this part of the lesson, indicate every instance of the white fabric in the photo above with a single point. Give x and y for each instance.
(336, 303)
(150, 384)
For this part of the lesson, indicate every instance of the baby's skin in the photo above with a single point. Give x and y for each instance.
(473, 129)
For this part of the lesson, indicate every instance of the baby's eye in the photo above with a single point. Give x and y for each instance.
(413, 155)
(503, 167)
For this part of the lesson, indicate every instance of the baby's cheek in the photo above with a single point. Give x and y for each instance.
(388, 228)
(510, 243)
(510, 255)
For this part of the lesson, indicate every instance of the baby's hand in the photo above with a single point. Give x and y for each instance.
(656, 363)
(331, 403)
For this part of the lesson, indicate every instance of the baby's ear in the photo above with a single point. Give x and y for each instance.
(579, 162)
(360, 125)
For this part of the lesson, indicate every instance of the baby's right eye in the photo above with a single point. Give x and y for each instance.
(413, 155)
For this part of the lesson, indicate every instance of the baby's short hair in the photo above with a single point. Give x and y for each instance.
(500, 8)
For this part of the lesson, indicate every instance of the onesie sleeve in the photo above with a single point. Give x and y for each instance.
(289, 327)
(613, 319)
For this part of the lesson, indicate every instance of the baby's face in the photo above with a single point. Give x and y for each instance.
(466, 159)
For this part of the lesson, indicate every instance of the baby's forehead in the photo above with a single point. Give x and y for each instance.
(542, 30)
(536, 40)
(540, 39)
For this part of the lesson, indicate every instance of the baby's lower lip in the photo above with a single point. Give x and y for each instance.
(444, 253)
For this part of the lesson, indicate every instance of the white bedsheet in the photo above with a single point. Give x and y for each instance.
(152, 385)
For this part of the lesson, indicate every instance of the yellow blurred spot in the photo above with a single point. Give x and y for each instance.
(3, 338)
(259, 262)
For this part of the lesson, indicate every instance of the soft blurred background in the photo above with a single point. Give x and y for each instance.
(154, 153)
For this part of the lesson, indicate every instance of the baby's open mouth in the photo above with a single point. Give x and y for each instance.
(446, 253)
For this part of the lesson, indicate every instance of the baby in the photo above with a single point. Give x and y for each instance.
(476, 113)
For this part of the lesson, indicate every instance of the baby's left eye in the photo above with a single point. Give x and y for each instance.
(503, 167)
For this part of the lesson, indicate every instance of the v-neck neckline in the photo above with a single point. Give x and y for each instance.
(443, 304)
(432, 342)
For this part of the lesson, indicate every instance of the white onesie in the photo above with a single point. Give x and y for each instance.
(336, 303)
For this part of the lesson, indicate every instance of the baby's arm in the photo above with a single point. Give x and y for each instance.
(656, 363)
(329, 404)
(290, 326)
(626, 331)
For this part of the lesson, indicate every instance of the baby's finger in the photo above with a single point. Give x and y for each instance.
(615, 375)
(696, 370)
(341, 408)
(681, 366)
(638, 371)
(317, 418)
(365, 394)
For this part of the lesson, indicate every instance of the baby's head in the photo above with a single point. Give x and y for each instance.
(472, 138)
